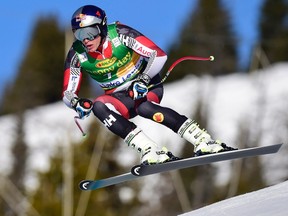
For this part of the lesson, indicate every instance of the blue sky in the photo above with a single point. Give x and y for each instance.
(161, 20)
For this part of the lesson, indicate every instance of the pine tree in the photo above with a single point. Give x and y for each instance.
(207, 32)
(274, 30)
(247, 173)
(40, 75)
(20, 155)
(19, 152)
(48, 199)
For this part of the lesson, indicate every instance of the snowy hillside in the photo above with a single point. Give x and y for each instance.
(271, 201)
(257, 102)
(46, 127)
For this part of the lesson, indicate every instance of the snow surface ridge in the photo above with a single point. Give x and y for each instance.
(271, 201)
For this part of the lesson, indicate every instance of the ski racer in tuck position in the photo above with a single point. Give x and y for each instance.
(124, 62)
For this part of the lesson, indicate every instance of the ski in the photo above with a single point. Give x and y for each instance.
(96, 184)
(144, 170)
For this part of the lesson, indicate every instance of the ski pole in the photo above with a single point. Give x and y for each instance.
(79, 126)
(195, 58)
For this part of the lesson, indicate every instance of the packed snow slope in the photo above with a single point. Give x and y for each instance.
(271, 201)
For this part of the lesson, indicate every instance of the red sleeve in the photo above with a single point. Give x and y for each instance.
(71, 82)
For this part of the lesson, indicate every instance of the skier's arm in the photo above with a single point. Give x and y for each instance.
(143, 46)
(72, 78)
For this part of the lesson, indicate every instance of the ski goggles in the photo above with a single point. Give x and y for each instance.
(89, 33)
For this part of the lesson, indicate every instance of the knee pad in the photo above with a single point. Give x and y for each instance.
(146, 109)
(100, 109)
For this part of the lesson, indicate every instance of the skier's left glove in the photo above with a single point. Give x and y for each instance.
(139, 88)
(82, 106)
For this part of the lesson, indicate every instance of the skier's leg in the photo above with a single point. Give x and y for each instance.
(151, 109)
(186, 128)
(119, 124)
(180, 124)
(202, 141)
(115, 122)
(149, 151)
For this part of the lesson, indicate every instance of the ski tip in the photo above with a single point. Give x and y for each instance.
(84, 185)
(278, 146)
(136, 170)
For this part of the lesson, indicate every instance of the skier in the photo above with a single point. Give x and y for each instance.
(124, 62)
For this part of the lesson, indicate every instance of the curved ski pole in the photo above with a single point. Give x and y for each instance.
(79, 126)
(195, 58)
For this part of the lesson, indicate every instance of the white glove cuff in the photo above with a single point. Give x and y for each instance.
(68, 96)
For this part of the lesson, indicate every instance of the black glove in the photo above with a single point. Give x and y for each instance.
(139, 88)
(82, 106)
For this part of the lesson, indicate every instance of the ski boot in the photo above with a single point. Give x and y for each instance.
(202, 141)
(148, 150)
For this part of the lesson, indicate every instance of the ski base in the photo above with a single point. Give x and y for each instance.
(144, 170)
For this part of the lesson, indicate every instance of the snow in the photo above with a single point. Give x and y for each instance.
(257, 102)
(46, 128)
(271, 201)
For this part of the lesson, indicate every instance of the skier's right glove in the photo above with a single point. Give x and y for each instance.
(82, 106)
